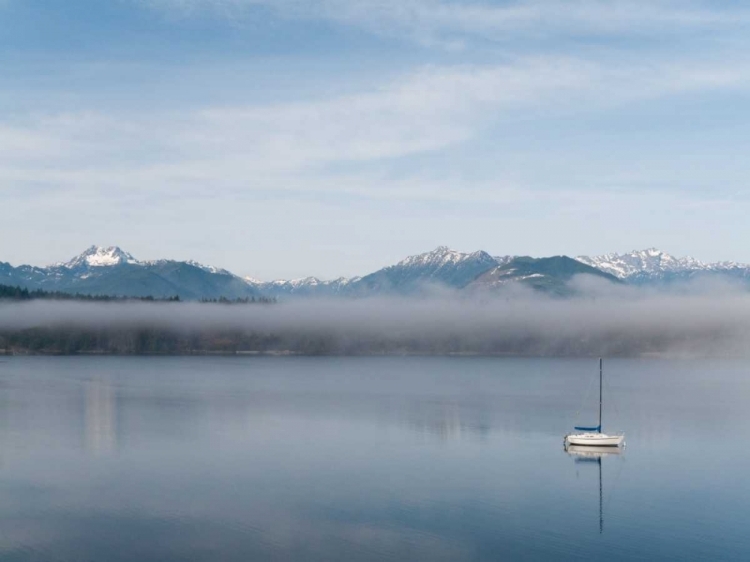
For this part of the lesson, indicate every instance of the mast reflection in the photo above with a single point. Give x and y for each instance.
(585, 454)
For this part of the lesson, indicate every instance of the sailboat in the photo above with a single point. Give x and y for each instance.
(593, 436)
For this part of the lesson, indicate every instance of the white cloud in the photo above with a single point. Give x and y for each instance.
(244, 146)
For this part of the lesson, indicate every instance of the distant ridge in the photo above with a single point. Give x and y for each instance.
(113, 271)
(442, 266)
(546, 274)
(653, 265)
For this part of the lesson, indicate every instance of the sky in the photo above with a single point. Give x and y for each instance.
(286, 138)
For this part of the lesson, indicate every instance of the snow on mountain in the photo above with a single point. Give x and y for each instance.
(97, 256)
(343, 281)
(297, 283)
(438, 257)
(441, 266)
(550, 275)
(289, 284)
(209, 268)
(442, 256)
(302, 286)
(442, 259)
(653, 264)
(502, 260)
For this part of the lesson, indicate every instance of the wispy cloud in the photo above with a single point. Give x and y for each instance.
(346, 164)
(451, 22)
(426, 111)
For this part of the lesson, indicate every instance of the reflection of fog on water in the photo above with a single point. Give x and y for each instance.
(101, 417)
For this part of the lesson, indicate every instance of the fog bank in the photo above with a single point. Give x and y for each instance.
(625, 322)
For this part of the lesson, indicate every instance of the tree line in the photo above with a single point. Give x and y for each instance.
(17, 293)
(240, 300)
(8, 292)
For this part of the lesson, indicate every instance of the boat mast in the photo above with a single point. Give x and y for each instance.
(600, 395)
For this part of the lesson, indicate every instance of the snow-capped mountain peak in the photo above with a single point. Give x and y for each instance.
(650, 261)
(296, 283)
(98, 256)
(442, 256)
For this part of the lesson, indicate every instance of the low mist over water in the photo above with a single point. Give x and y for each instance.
(626, 321)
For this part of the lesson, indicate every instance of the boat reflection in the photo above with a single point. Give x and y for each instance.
(584, 453)
(591, 454)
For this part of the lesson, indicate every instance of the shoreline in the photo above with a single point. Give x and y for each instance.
(291, 353)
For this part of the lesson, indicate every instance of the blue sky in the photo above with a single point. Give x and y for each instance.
(281, 138)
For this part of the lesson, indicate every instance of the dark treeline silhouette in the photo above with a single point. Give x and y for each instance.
(8, 292)
(132, 340)
(159, 341)
(145, 339)
(238, 300)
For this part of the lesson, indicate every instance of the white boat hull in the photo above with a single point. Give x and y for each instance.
(595, 439)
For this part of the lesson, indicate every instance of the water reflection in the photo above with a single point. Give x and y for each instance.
(584, 453)
(588, 454)
(101, 417)
(448, 423)
(363, 459)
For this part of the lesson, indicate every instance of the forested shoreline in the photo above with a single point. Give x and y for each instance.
(130, 340)
(146, 340)
(17, 293)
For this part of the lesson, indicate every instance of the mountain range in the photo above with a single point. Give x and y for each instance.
(112, 271)
(654, 266)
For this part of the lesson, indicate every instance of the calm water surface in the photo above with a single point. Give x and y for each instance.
(369, 459)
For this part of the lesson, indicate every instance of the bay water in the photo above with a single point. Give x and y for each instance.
(387, 458)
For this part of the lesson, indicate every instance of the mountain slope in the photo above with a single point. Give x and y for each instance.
(543, 274)
(440, 267)
(111, 271)
(305, 287)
